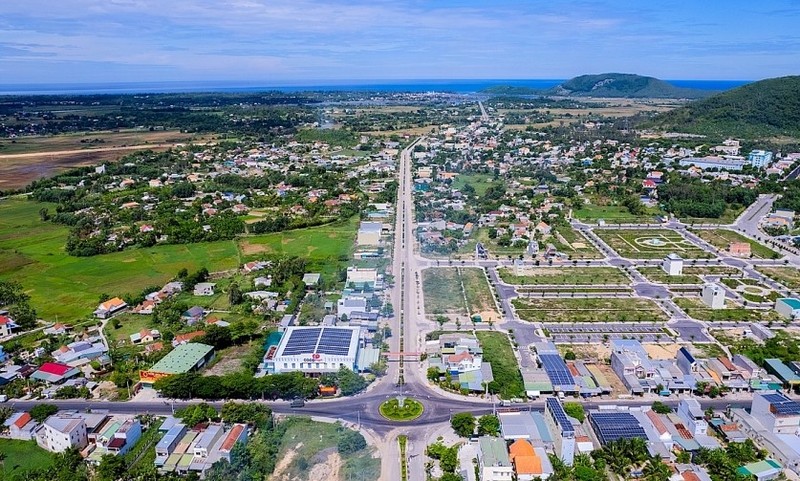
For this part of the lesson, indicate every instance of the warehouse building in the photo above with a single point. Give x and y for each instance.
(316, 350)
(184, 358)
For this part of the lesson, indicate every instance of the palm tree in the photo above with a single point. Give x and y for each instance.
(656, 470)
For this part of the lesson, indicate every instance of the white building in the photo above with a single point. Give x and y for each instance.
(788, 307)
(673, 264)
(713, 296)
(493, 460)
(369, 234)
(315, 350)
(346, 306)
(204, 289)
(60, 432)
(760, 158)
(692, 414)
(559, 423)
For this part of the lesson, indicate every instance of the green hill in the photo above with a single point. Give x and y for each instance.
(766, 108)
(625, 85)
(613, 85)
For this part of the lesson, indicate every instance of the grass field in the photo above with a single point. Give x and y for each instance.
(564, 275)
(25, 159)
(727, 217)
(32, 252)
(650, 243)
(442, 291)
(456, 290)
(480, 182)
(588, 310)
(129, 324)
(695, 308)
(788, 276)
(308, 452)
(326, 247)
(657, 274)
(722, 238)
(22, 456)
(497, 351)
(570, 242)
(614, 214)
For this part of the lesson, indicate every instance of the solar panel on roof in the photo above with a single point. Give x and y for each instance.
(556, 370)
(560, 416)
(616, 425)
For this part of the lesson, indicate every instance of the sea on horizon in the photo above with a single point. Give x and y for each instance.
(461, 86)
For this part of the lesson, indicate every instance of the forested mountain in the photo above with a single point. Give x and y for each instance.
(766, 108)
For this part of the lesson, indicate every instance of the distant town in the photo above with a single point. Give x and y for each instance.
(376, 285)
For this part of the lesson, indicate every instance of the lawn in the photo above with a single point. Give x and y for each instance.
(570, 242)
(129, 324)
(326, 247)
(722, 238)
(588, 310)
(66, 287)
(442, 291)
(456, 290)
(476, 290)
(694, 307)
(480, 182)
(657, 274)
(22, 456)
(497, 351)
(307, 444)
(564, 276)
(788, 276)
(614, 214)
(650, 243)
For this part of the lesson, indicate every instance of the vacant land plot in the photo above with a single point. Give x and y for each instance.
(498, 352)
(442, 291)
(788, 276)
(128, 324)
(325, 247)
(308, 452)
(22, 456)
(564, 275)
(457, 291)
(229, 360)
(650, 243)
(32, 252)
(614, 214)
(657, 274)
(575, 245)
(480, 182)
(722, 239)
(29, 158)
(478, 293)
(588, 310)
(695, 308)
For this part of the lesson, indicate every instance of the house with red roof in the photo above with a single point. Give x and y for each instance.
(109, 308)
(237, 434)
(20, 426)
(6, 325)
(54, 372)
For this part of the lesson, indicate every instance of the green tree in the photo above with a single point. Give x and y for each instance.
(112, 468)
(40, 412)
(661, 408)
(463, 424)
(349, 381)
(349, 441)
(575, 410)
(489, 425)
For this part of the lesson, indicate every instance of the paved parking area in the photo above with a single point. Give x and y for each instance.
(603, 328)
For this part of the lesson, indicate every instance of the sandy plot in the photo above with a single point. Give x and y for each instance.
(661, 351)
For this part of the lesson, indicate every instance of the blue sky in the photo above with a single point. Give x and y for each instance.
(281, 41)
